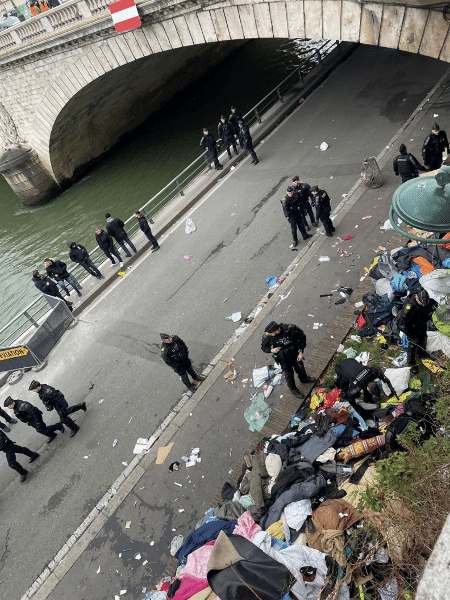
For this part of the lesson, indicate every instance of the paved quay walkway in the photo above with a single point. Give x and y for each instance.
(241, 238)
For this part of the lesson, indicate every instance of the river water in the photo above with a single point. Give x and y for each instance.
(134, 170)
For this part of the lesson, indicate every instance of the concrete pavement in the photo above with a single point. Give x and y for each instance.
(241, 238)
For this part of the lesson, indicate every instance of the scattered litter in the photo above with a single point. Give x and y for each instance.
(98, 570)
(401, 360)
(181, 510)
(178, 484)
(245, 380)
(350, 352)
(324, 258)
(268, 390)
(340, 348)
(348, 237)
(257, 413)
(114, 444)
(316, 325)
(356, 226)
(435, 115)
(225, 300)
(127, 526)
(232, 168)
(121, 273)
(174, 466)
(122, 592)
(186, 257)
(260, 375)
(367, 217)
(235, 317)
(323, 146)
(344, 195)
(283, 297)
(125, 464)
(163, 453)
(137, 557)
(272, 282)
(363, 358)
(85, 456)
(340, 301)
(144, 445)
(322, 296)
(258, 310)
(379, 249)
(359, 304)
(276, 380)
(193, 459)
(190, 226)
(230, 375)
(356, 338)
(101, 400)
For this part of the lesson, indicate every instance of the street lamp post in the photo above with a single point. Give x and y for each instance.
(423, 203)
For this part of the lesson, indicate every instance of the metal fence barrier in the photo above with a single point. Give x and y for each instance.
(312, 58)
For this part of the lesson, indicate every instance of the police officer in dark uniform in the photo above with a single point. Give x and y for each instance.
(11, 449)
(175, 353)
(8, 419)
(416, 311)
(226, 133)
(351, 377)
(234, 119)
(323, 209)
(303, 192)
(209, 143)
(292, 210)
(287, 344)
(406, 165)
(32, 416)
(54, 399)
(433, 147)
(246, 141)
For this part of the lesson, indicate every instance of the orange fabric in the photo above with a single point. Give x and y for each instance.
(424, 264)
(34, 11)
(446, 237)
(43, 6)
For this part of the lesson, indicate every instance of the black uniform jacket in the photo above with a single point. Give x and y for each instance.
(245, 137)
(52, 398)
(4, 441)
(175, 354)
(291, 340)
(226, 130)
(434, 145)
(407, 165)
(208, 142)
(353, 377)
(413, 317)
(26, 412)
(322, 203)
(291, 206)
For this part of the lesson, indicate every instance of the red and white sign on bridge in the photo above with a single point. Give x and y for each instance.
(125, 15)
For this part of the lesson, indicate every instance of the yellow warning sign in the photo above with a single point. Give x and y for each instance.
(13, 353)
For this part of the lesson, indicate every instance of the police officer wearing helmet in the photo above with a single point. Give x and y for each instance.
(292, 209)
(246, 141)
(226, 133)
(406, 165)
(352, 378)
(303, 193)
(287, 344)
(175, 353)
(416, 312)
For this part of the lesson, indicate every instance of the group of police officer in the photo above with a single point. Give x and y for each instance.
(407, 166)
(29, 414)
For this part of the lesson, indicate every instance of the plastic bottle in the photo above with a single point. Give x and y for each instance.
(115, 443)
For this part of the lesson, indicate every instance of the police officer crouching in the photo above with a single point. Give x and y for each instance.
(287, 343)
(54, 399)
(406, 165)
(175, 353)
(352, 378)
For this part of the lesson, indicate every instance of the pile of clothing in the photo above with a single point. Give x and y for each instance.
(288, 530)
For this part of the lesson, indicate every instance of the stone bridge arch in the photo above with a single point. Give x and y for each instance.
(171, 27)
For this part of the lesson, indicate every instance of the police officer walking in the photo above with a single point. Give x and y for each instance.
(10, 448)
(433, 147)
(323, 209)
(292, 210)
(287, 344)
(209, 143)
(416, 311)
(226, 133)
(175, 353)
(54, 399)
(234, 119)
(352, 378)
(32, 416)
(8, 419)
(246, 141)
(406, 165)
(303, 192)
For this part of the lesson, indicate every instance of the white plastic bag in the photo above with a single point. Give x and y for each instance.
(190, 226)
(260, 375)
(383, 286)
(399, 379)
(323, 146)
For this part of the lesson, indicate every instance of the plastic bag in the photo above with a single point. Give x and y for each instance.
(190, 226)
(323, 146)
(257, 413)
(260, 375)
(399, 379)
(176, 544)
(383, 286)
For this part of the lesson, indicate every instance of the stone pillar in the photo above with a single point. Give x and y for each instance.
(27, 176)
